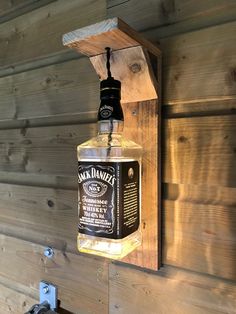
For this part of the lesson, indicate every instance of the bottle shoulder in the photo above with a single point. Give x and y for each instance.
(103, 147)
(105, 140)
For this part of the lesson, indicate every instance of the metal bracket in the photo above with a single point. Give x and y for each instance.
(48, 293)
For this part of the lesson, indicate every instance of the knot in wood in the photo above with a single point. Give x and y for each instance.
(48, 80)
(182, 139)
(233, 74)
(135, 67)
(50, 203)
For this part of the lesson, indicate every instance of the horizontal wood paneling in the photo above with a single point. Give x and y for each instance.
(82, 281)
(9, 5)
(200, 66)
(43, 180)
(12, 301)
(193, 216)
(169, 291)
(199, 217)
(204, 61)
(10, 9)
(203, 218)
(45, 150)
(19, 35)
(41, 215)
(172, 17)
(38, 34)
(200, 151)
(66, 88)
(197, 109)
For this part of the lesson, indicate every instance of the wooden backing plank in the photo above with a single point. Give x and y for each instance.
(169, 291)
(42, 215)
(203, 218)
(200, 151)
(93, 39)
(19, 37)
(82, 281)
(171, 17)
(72, 87)
(12, 301)
(142, 123)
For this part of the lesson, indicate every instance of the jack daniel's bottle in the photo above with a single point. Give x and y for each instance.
(109, 183)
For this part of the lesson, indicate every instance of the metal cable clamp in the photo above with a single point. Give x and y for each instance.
(48, 300)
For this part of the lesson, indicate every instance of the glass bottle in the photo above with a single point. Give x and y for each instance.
(109, 183)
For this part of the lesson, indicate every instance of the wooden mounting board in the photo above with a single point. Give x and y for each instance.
(141, 126)
(92, 40)
(133, 68)
(137, 64)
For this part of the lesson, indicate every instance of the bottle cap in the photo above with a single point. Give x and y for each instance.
(110, 108)
(110, 88)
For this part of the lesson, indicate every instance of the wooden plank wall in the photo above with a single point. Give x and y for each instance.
(48, 101)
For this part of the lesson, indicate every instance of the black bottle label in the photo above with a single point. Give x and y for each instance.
(108, 198)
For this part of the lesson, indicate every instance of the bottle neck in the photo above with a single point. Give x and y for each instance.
(110, 126)
(110, 113)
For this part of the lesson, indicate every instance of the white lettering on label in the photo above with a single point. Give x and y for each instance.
(97, 174)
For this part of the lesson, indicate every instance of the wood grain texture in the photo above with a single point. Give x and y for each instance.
(10, 9)
(197, 109)
(203, 218)
(166, 18)
(141, 127)
(68, 88)
(68, 182)
(82, 281)
(200, 66)
(19, 37)
(41, 215)
(44, 150)
(170, 290)
(7, 5)
(57, 90)
(12, 301)
(187, 138)
(199, 215)
(133, 68)
(200, 151)
(143, 16)
(115, 33)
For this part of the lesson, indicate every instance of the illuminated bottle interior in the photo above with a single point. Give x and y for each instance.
(109, 196)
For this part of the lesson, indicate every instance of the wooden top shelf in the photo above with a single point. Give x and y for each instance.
(114, 33)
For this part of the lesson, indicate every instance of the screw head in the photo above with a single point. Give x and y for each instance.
(45, 289)
(48, 252)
